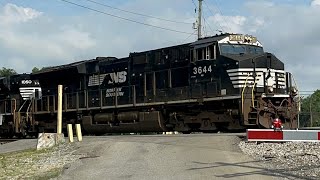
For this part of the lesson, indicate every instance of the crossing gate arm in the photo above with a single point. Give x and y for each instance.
(271, 135)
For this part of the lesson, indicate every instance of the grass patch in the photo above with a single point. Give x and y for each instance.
(35, 164)
(50, 174)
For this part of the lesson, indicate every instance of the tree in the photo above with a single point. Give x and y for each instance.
(310, 110)
(35, 69)
(5, 72)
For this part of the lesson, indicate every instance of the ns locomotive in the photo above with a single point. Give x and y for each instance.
(223, 82)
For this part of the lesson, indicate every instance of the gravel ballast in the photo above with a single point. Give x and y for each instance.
(290, 160)
(37, 164)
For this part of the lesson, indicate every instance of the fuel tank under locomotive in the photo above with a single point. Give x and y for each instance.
(124, 122)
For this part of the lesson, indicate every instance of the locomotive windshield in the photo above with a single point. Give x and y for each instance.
(240, 49)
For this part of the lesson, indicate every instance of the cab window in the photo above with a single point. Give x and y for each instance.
(205, 52)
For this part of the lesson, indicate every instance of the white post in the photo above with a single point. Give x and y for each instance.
(78, 131)
(59, 115)
(70, 132)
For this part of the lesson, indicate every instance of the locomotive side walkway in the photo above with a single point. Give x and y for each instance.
(194, 156)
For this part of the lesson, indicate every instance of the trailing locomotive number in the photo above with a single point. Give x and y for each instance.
(202, 70)
(26, 82)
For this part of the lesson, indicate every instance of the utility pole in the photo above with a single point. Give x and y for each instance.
(199, 18)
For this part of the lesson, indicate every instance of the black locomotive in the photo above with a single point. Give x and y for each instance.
(223, 82)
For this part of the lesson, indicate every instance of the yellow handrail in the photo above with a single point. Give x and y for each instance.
(252, 97)
(299, 104)
(245, 85)
(14, 110)
(15, 105)
(27, 113)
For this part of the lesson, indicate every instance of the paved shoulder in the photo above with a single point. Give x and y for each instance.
(19, 145)
(164, 157)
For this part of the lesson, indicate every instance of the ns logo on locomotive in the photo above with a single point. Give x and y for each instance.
(223, 82)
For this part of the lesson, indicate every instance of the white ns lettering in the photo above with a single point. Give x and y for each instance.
(118, 77)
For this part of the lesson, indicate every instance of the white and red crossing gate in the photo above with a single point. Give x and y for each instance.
(283, 135)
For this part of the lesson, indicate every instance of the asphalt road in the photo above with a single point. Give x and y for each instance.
(195, 156)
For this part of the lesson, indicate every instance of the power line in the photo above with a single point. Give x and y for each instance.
(194, 4)
(119, 17)
(204, 19)
(140, 14)
(213, 15)
(182, 42)
(217, 5)
(195, 10)
(207, 23)
(204, 26)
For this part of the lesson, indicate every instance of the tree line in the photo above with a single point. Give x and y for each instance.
(310, 110)
(5, 72)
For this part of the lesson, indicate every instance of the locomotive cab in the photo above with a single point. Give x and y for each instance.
(204, 51)
(234, 64)
(241, 45)
(260, 78)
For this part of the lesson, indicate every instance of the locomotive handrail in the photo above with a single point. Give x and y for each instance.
(27, 113)
(244, 87)
(15, 104)
(29, 105)
(299, 102)
(252, 97)
(22, 105)
(14, 109)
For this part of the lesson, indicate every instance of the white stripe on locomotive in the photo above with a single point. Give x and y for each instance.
(240, 75)
(28, 92)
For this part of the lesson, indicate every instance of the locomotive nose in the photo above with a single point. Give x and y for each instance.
(263, 62)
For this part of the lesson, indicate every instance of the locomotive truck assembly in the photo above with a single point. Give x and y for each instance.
(223, 82)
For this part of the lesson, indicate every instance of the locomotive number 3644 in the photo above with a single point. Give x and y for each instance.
(202, 70)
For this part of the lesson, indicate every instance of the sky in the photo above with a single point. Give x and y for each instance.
(52, 32)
